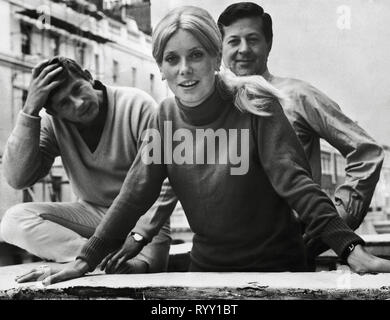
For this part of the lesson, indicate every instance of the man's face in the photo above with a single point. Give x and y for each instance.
(76, 101)
(244, 47)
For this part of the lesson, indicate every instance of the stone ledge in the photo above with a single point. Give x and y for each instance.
(284, 285)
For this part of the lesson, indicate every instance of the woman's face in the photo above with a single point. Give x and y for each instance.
(188, 69)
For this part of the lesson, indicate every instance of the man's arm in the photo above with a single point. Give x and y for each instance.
(30, 149)
(154, 227)
(285, 163)
(364, 157)
(288, 170)
(30, 152)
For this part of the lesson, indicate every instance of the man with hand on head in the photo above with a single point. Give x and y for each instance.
(247, 40)
(96, 130)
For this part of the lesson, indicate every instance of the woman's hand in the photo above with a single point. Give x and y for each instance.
(116, 261)
(361, 262)
(55, 273)
(41, 272)
(131, 266)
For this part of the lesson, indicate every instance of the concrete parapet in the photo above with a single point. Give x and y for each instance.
(279, 286)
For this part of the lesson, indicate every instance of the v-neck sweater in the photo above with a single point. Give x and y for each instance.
(241, 222)
(95, 177)
(92, 134)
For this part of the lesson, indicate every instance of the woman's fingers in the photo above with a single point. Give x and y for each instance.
(121, 261)
(33, 275)
(36, 274)
(58, 277)
(105, 260)
(110, 268)
(125, 268)
(74, 269)
(26, 274)
(66, 274)
(132, 266)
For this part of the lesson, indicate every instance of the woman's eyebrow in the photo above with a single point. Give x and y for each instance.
(196, 48)
(169, 52)
(174, 52)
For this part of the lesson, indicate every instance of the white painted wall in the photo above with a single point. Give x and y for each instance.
(5, 33)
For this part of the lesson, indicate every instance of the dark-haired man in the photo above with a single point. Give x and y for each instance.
(96, 129)
(247, 41)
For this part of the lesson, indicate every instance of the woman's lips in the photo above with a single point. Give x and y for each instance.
(188, 83)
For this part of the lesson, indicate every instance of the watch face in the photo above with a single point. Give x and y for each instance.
(137, 237)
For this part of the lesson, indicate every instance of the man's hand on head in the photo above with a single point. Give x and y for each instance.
(42, 82)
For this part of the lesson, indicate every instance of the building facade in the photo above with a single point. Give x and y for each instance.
(112, 48)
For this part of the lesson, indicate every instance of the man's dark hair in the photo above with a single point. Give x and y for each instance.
(70, 70)
(242, 10)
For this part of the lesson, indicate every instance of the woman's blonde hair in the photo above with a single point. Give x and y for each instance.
(252, 93)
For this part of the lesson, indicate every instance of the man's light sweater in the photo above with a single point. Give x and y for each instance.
(95, 177)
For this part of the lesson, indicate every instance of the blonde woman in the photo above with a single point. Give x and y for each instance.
(240, 211)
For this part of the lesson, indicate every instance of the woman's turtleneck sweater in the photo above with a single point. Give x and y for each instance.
(239, 211)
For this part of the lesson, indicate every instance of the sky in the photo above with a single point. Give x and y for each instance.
(340, 46)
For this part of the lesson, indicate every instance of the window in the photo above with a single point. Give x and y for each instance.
(25, 30)
(134, 76)
(115, 70)
(24, 96)
(340, 166)
(19, 97)
(152, 83)
(80, 53)
(97, 66)
(326, 165)
(55, 44)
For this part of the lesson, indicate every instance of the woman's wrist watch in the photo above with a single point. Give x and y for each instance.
(138, 238)
(348, 250)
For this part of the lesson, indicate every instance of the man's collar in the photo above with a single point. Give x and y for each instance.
(97, 85)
